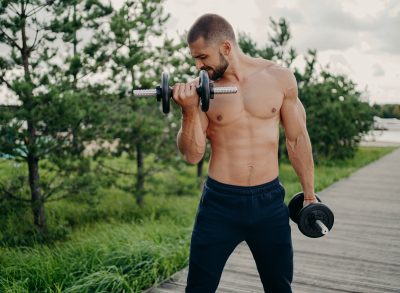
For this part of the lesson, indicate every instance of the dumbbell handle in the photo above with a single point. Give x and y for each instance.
(224, 90)
(324, 229)
(145, 93)
(215, 90)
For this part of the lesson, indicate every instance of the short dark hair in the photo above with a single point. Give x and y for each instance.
(212, 28)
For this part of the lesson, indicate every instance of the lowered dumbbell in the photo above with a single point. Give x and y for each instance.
(205, 90)
(314, 220)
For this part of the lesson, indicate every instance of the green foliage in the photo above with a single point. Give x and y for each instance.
(138, 124)
(173, 183)
(78, 209)
(277, 47)
(336, 117)
(56, 116)
(387, 110)
(108, 258)
(17, 230)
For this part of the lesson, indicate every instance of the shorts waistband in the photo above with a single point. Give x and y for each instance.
(241, 190)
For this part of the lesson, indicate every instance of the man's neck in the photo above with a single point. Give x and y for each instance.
(236, 71)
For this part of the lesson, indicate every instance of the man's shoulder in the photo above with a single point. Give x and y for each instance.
(270, 69)
(276, 69)
(264, 67)
(263, 64)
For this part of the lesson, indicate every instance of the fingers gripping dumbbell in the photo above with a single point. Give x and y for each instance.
(205, 90)
(314, 220)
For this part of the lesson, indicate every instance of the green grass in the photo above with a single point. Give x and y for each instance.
(111, 257)
(118, 247)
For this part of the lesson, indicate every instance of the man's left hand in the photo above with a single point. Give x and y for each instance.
(309, 200)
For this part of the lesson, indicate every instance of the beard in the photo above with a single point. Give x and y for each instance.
(219, 71)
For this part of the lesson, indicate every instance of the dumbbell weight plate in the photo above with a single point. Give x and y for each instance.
(204, 91)
(166, 93)
(295, 206)
(309, 214)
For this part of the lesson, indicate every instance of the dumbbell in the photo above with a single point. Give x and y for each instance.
(205, 90)
(314, 220)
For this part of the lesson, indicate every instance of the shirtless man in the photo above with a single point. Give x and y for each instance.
(242, 199)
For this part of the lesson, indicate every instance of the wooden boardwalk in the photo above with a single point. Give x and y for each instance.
(361, 254)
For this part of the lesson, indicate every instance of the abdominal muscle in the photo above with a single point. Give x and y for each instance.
(244, 153)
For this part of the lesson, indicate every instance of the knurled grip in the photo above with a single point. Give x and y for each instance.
(225, 90)
(145, 93)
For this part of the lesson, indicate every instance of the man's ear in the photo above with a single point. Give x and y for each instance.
(226, 48)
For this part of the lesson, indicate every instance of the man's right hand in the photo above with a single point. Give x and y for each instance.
(185, 95)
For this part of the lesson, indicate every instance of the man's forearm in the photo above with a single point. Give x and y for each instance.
(191, 140)
(300, 155)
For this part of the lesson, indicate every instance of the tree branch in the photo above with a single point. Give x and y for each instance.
(60, 197)
(13, 9)
(11, 40)
(34, 42)
(56, 145)
(53, 191)
(60, 142)
(6, 82)
(123, 187)
(150, 171)
(101, 63)
(49, 185)
(9, 195)
(32, 12)
(101, 164)
(34, 46)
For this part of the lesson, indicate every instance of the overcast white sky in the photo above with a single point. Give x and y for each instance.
(360, 38)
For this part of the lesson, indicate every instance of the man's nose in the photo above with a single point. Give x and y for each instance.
(199, 64)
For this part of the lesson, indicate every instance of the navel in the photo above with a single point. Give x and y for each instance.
(251, 169)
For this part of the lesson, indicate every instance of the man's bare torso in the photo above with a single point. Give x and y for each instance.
(243, 128)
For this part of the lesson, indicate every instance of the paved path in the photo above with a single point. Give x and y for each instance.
(361, 254)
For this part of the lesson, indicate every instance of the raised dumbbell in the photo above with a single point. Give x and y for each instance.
(314, 220)
(205, 90)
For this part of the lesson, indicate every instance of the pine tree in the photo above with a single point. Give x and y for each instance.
(56, 114)
(139, 126)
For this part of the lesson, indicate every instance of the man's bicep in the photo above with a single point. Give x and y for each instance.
(293, 117)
